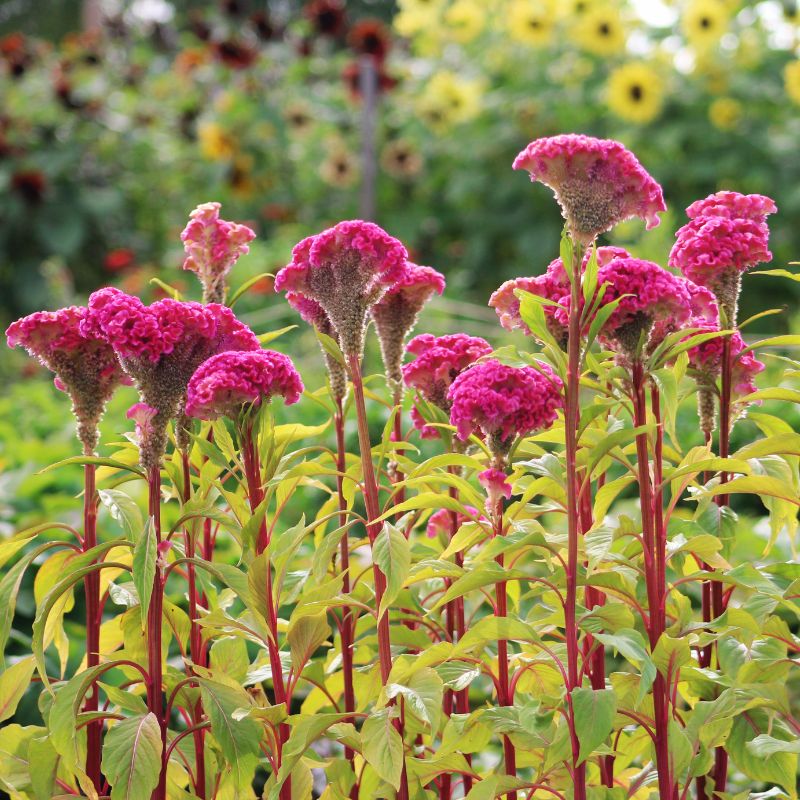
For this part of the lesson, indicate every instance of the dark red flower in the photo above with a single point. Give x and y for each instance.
(235, 54)
(370, 37)
(119, 259)
(263, 25)
(199, 27)
(351, 75)
(30, 184)
(327, 16)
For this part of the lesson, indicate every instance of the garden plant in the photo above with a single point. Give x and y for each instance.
(488, 572)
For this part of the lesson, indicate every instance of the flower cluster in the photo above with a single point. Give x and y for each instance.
(499, 402)
(597, 182)
(439, 361)
(85, 366)
(395, 314)
(227, 382)
(346, 269)
(212, 247)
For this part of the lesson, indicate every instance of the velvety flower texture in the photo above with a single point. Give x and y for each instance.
(441, 522)
(733, 205)
(85, 367)
(597, 182)
(552, 285)
(395, 314)
(346, 269)
(498, 402)
(160, 346)
(227, 382)
(212, 247)
(440, 359)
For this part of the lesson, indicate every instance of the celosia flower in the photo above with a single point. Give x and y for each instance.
(227, 382)
(706, 358)
(395, 314)
(346, 269)
(733, 205)
(314, 314)
(142, 414)
(212, 247)
(499, 402)
(703, 311)
(597, 182)
(85, 366)
(441, 522)
(160, 346)
(497, 487)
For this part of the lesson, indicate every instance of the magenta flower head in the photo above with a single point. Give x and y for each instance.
(499, 402)
(346, 269)
(395, 315)
(212, 247)
(733, 205)
(597, 182)
(160, 346)
(439, 361)
(703, 311)
(229, 382)
(314, 314)
(85, 367)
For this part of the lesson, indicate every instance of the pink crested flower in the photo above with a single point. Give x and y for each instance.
(440, 523)
(227, 382)
(499, 402)
(212, 247)
(85, 367)
(733, 205)
(597, 182)
(160, 346)
(395, 314)
(552, 285)
(703, 311)
(346, 269)
(706, 358)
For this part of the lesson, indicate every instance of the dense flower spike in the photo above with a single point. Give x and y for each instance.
(597, 182)
(346, 269)
(160, 346)
(212, 247)
(499, 402)
(86, 367)
(395, 314)
(733, 205)
(227, 382)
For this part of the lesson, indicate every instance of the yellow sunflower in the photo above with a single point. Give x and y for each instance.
(215, 143)
(635, 92)
(531, 22)
(465, 19)
(704, 22)
(791, 80)
(725, 113)
(449, 99)
(600, 30)
(416, 16)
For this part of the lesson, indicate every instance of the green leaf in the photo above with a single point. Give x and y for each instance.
(481, 575)
(306, 633)
(170, 291)
(14, 683)
(145, 553)
(42, 753)
(124, 509)
(246, 285)
(132, 757)
(99, 462)
(670, 655)
(392, 554)
(764, 746)
(383, 747)
(492, 629)
(593, 711)
(423, 695)
(631, 645)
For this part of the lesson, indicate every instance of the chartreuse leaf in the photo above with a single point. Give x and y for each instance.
(43, 756)
(306, 633)
(145, 553)
(593, 711)
(124, 509)
(392, 554)
(423, 695)
(98, 462)
(14, 683)
(631, 645)
(670, 655)
(383, 747)
(132, 757)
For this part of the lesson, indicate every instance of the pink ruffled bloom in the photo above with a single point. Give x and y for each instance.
(160, 346)
(85, 367)
(346, 269)
(439, 361)
(212, 247)
(440, 523)
(597, 182)
(228, 382)
(703, 311)
(553, 285)
(706, 358)
(395, 314)
(499, 402)
(733, 205)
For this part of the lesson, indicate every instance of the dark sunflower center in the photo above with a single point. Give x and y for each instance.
(705, 22)
(604, 29)
(637, 92)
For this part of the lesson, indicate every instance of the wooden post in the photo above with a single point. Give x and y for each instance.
(368, 86)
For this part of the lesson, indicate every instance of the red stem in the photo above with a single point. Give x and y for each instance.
(91, 584)
(373, 529)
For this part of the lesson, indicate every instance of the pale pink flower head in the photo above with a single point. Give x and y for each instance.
(143, 415)
(160, 346)
(439, 360)
(497, 487)
(733, 205)
(499, 402)
(597, 182)
(212, 247)
(395, 315)
(440, 522)
(346, 269)
(229, 382)
(85, 367)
